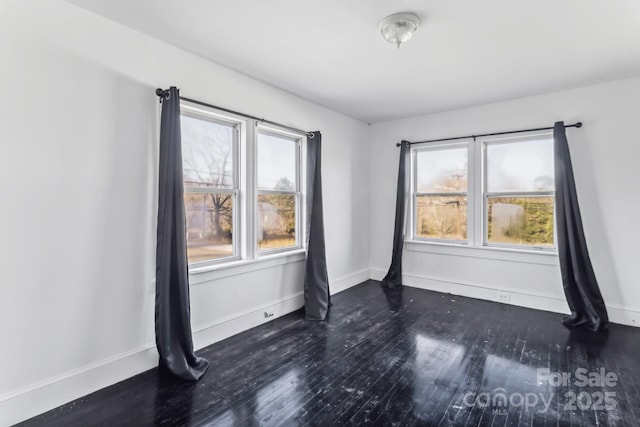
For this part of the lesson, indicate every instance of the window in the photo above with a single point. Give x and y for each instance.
(519, 192)
(242, 189)
(440, 199)
(278, 191)
(209, 168)
(486, 193)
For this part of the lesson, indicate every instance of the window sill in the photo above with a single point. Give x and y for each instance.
(494, 253)
(208, 273)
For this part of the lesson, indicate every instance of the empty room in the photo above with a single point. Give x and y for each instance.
(297, 213)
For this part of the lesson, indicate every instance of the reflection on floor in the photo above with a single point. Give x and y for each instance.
(405, 357)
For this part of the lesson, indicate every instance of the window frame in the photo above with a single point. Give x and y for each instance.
(300, 143)
(513, 139)
(477, 199)
(414, 194)
(193, 112)
(245, 191)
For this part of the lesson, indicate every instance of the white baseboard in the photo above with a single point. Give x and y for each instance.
(34, 399)
(40, 397)
(350, 280)
(624, 315)
(376, 273)
(37, 398)
(228, 326)
(617, 314)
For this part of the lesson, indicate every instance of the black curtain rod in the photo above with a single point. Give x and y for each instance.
(163, 93)
(575, 125)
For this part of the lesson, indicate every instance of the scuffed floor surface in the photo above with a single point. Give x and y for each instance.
(407, 357)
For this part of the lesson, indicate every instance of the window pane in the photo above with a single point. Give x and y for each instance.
(521, 220)
(520, 166)
(209, 220)
(276, 162)
(442, 171)
(276, 221)
(441, 217)
(207, 153)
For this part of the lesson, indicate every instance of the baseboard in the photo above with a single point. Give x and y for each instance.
(35, 399)
(228, 326)
(255, 316)
(617, 314)
(350, 280)
(376, 274)
(623, 315)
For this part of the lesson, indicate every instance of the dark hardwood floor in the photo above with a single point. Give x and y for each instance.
(406, 357)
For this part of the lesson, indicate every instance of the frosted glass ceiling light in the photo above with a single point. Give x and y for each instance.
(399, 27)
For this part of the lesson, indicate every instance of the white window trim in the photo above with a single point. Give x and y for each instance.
(234, 268)
(239, 125)
(476, 244)
(485, 252)
(246, 256)
(507, 139)
(415, 149)
(299, 192)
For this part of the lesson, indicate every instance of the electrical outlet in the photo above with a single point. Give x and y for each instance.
(268, 314)
(504, 297)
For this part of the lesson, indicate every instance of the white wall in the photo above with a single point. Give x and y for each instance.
(605, 158)
(78, 132)
(78, 128)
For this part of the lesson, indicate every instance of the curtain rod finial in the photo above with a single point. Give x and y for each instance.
(162, 94)
(579, 124)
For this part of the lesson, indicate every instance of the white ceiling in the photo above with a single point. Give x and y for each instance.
(466, 52)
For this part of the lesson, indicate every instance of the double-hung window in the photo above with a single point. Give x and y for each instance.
(242, 182)
(279, 196)
(519, 192)
(440, 193)
(211, 186)
(496, 192)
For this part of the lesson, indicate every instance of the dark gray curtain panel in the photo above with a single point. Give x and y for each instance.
(578, 279)
(316, 281)
(173, 311)
(393, 279)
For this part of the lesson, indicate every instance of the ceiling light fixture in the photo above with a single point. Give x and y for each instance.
(399, 27)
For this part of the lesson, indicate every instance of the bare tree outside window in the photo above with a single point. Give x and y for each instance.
(210, 187)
